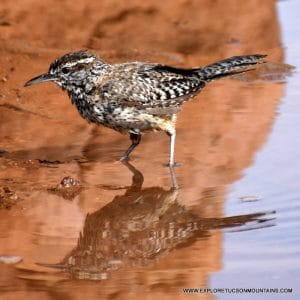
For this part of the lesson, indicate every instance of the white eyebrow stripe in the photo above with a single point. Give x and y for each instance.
(81, 61)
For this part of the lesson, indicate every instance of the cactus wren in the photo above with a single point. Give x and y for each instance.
(135, 97)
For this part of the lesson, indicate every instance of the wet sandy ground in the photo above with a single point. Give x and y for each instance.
(119, 231)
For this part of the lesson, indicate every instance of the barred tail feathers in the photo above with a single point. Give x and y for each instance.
(229, 66)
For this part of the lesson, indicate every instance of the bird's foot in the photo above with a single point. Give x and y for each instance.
(173, 177)
(173, 165)
(124, 158)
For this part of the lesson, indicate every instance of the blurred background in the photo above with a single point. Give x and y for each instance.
(237, 145)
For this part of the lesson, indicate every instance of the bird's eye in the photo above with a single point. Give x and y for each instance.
(66, 70)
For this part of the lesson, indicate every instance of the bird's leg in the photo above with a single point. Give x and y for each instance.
(174, 179)
(135, 140)
(137, 178)
(172, 135)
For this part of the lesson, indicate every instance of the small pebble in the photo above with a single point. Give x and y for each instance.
(68, 182)
(249, 198)
(68, 188)
(10, 259)
(8, 197)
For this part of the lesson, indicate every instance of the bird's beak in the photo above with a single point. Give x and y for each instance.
(40, 79)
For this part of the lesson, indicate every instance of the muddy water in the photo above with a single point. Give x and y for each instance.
(121, 231)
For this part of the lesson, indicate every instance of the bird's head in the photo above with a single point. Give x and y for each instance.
(72, 70)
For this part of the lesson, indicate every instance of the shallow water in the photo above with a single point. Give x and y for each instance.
(125, 233)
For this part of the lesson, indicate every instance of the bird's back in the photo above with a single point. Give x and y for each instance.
(150, 86)
(163, 88)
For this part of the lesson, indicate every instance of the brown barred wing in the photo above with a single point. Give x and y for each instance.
(156, 88)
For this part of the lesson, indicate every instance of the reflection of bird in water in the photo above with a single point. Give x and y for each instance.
(138, 228)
